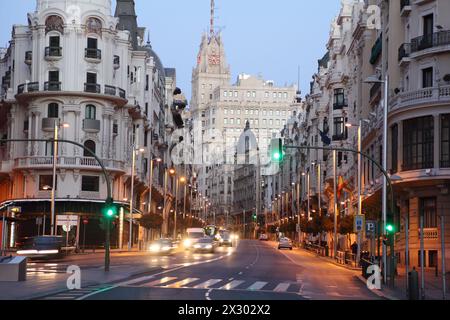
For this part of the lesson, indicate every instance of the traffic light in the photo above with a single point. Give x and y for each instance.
(390, 228)
(276, 150)
(255, 217)
(110, 209)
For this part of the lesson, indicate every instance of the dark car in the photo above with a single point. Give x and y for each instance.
(41, 247)
(225, 239)
(206, 244)
(162, 246)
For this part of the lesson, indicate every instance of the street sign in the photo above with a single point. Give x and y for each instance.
(67, 228)
(371, 227)
(359, 223)
(64, 220)
(39, 221)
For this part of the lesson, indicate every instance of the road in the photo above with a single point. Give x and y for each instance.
(252, 271)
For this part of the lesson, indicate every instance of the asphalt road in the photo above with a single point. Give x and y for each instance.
(253, 271)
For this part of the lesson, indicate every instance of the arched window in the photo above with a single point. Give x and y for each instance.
(53, 110)
(91, 112)
(91, 146)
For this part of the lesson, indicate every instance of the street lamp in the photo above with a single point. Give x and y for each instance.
(58, 125)
(348, 125)
(135, 152)
(375, 79)
(157, 160)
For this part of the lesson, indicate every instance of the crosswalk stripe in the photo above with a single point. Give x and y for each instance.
(207, 284)
(282, 287)
(257, 286)
(182, 283)
(232, 285)
(160, 281)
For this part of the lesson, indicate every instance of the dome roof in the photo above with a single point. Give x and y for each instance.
(158, 62)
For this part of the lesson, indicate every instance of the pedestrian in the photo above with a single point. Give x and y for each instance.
(354, 248)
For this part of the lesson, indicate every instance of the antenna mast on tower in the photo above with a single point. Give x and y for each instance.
(211, 30)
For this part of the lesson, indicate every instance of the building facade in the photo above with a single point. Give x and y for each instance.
(79, 68)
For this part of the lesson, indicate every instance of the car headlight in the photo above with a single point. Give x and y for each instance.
(166, 248)
(209, 246)
(197, 246)
(187, 243)
(155, 248)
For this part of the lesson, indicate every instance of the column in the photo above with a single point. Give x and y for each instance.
(37, 119)
(437, 141)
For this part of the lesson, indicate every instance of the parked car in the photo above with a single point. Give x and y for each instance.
(263, 237)
(285, 243)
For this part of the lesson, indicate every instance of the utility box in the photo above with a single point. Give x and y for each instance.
(13, 269)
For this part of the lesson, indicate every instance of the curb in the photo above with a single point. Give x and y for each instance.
(331, 261)
(379, 293)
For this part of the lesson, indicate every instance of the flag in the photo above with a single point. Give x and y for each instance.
(325, 139)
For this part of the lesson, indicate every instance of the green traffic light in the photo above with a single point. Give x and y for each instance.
(390, 228)
(110, 212)
(276, 156)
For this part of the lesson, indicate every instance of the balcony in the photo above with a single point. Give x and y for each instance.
(28, 58)
(429, 233)
(427, 96)
(92, 88)
(110, 90)
(28, 87)
(405, 8)
(52, 86)
(122, 93)
(53, 53)
(48, 124)
(403, 53)
(340, 105)
(93, 55)
(92, 126)
(68, 162)
(439, 41)
(116, 62)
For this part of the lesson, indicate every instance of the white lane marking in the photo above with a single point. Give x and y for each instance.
(142, 279)
(208, 284)
(182, 283)
(159, 281)
(232, 285)
(257, 286)
(207, 295)
(282, 287)
(241, 273)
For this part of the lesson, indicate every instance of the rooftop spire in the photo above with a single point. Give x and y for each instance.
(125, 11)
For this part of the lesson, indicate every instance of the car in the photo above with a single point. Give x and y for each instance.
(192, 236)
(263, 237)
(225, 239)
(285, 243)
(42, 247)
(205, 244)
(162, 246)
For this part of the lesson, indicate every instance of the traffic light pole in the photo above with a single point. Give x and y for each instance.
(389, 182)
(105, 173)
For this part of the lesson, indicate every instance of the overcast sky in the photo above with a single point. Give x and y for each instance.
(266, 37)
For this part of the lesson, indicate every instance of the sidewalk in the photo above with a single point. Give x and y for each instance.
(433, 286)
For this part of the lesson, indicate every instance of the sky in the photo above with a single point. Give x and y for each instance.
(267, 37)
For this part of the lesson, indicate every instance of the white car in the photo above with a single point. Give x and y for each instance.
(285, 243)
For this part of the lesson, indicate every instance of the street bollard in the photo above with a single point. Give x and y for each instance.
(413, 284)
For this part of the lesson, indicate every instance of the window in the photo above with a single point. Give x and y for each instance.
(225, 111)
(91, 112)
(340, 130)
(428, 25)
(225, 121)
(254, 94)
(339, 99)
(91, 78)
(232, 112)
(428, 211)
(394, 150)
(445, 141)
(54, 42)
(53, 76)
(427, 78)
(91, 146)
(238, 121)
(53, 110)
(274, 95)
(90, 184)
(92, 43)
(46, 182)
(49, 146)
(225, 94)
(239, 112)
(266, 94)
(418, 143)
